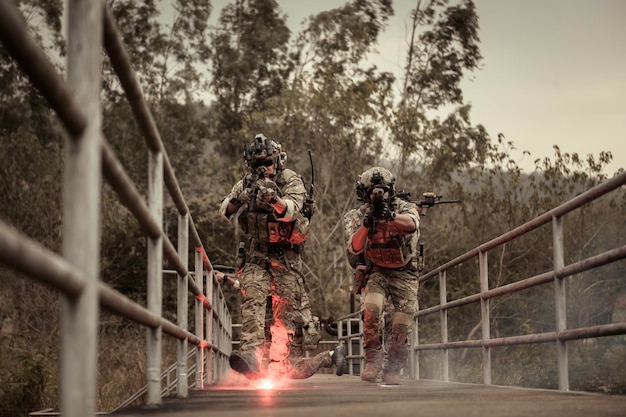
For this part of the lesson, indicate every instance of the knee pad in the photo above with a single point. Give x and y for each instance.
(399, 333)
(371, 314)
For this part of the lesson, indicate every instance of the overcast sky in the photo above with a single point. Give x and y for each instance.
(553, 71)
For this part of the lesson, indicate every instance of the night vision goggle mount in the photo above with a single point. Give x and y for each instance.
(260, 151)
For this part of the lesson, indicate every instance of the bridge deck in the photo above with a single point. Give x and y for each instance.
(329, 396)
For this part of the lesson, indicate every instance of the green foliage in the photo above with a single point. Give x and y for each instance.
(442, 50)
(23, 383)
(599, 365)
(249, 63)
(29, 345)
(313, 92)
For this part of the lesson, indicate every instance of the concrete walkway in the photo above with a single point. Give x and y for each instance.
(330, 396)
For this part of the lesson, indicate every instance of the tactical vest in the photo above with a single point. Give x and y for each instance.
(389, 247)
(261, 224)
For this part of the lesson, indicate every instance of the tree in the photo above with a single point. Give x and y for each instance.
(443, 47)
(249, 63)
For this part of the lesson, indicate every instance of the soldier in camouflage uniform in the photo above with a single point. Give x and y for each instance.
(271, 198)
(387, 233)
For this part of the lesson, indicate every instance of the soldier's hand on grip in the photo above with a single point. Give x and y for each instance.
(368, 220)
(384, 213)
(244, 196)
(265, 196)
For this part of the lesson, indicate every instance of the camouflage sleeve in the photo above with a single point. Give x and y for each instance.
(352, 221)
(409, 209)
(294, 194)
(234, 193)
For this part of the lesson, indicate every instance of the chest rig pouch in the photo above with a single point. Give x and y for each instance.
(261, 224)
(388, 247)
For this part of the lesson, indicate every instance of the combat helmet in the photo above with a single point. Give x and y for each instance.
(264, 152)
(376, 177)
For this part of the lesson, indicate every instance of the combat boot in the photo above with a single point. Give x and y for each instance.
(398, 354)
(339, 359)
(244, 363)
(391, 377)
(373, 365)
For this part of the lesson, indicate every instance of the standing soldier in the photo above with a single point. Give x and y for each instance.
(387, 233)
(273, 199)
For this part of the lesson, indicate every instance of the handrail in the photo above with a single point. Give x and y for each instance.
(166, 389)
(44, 266)
(539, 221)
(34, 63)
(557, 275)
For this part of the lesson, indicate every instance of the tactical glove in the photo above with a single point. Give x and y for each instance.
(368, 220)
(384, 213)
(244, 196)
(265, 196)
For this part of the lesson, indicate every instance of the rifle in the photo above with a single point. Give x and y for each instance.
(379, 206)
(259, 147)
(308, 208)
(254, 190)
(430, 199)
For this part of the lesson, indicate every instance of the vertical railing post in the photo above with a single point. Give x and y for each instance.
(484, 316)
(155, 279)
(81, 212)
(348, 346)
(415, 340)
(182, 306)
(210, 282)
(560, 303)
(443, 314)
(198, 317)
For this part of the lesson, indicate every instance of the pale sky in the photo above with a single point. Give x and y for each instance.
(553, 71)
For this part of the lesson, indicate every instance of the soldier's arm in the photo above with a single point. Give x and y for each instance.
(407, 218)
(294, 194)
(357, 241)
(404, 223)
(230, 204)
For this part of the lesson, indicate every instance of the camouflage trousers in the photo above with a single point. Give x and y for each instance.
(398, 287)
(302, 368)
(281, 282)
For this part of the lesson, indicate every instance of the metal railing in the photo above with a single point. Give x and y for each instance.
(75, 274)
(350, 332)
(556, 276)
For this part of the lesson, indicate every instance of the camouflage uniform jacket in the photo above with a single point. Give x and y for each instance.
(263, 224)
(388, 247)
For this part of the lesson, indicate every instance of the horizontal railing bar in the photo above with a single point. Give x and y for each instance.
(540, 279)
(592, 262)
(429, 310)
(601, 259)
(46, 80)
(121, 183)
(130, 197)
(525, 339)
(118, 303)
(124, 70)
(611, 329)
(33, 62)
(38, 262)
(462, 301)
(545, 218)
(543, 278)
(125, 307)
